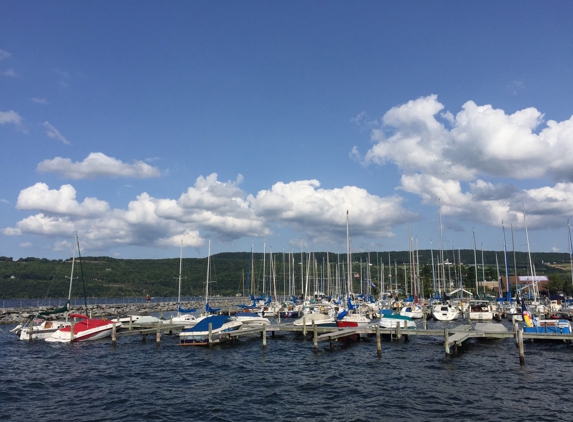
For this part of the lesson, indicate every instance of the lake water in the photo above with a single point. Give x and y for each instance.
(413, 381)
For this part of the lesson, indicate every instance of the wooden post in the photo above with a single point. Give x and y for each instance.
(264, 335)
(315, 338)
(113, 333)
(424, 320)
(279, 318)
(398, 334)
(331, 343)
(378, 342)
(521, 351)
(72, 322)
(210, 334)
(515, 330)
(130, 322)
(447, 342)
(304, 326)
(90, 314)
(158, 335)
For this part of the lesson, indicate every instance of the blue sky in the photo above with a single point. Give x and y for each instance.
(139, 124)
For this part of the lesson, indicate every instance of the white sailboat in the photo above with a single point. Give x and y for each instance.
(44, 328)
(85, 328)
(184, 316)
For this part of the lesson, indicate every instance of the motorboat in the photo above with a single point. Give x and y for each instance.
(445, 312)
(210, 329)
(85, 329)
(412, 310)
(480, 311)
(251, 319)
(321, 320)
(389, 321)
(39, 329)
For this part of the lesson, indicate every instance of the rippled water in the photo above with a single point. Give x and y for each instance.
(138, 380)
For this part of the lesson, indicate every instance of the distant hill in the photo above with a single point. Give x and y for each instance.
(110, 277)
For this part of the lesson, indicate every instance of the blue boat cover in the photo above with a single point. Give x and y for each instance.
(216, 322)
(186, 311)
(211, 310)
(385, 312)
(342, 314)
(351, 305)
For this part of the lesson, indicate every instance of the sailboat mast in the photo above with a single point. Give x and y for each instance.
(570, 252)
(349, 264)
(208, 270)
(531, 266)
(475, 263)
(507, 275)
(179, 290)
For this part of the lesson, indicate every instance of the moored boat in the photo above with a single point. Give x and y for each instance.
(199, 335)
(85, 329)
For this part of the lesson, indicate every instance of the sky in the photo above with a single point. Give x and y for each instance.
(147, 125)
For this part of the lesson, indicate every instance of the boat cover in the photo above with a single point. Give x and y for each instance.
(211, 310)
(216, 322)
(186, 311)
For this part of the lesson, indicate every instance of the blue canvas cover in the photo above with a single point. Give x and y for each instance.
(216, 322)
(186, 311)
(211, 310)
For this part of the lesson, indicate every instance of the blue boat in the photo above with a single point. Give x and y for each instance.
(198, 335)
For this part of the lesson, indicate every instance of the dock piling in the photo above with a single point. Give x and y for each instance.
(158, 335)
(521, 351)
(378, 342)
(447, 342)
(315, 338)
(264, 336)
(72, 322)
(113, 334)
(398, 334)
(210, 334)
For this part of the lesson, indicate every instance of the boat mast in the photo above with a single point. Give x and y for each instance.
(208, 270)
(507, 275)
(349, 263)
(531, 266)
(179, 291)
(475, 264)
(570, 251)
(72, 273)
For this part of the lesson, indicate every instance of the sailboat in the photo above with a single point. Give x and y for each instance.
(184, 316)
(85, 328)
(44, 328)
(198, 334)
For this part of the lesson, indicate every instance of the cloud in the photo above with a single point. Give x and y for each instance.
(97, 164)
(10, 117)
(54, 133)
(478, 141)
(10, 73)
(39, 100)
(4, 55)
(63, 201)
(26, 245)
(321, 213)
(209, 208)
(450, 159)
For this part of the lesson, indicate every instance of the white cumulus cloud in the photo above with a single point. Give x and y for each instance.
(97, 164)
(457, 160)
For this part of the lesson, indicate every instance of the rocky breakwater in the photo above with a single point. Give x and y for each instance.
(165, 309)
